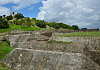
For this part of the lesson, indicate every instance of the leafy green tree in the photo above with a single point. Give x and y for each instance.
(10, 17)
(75, 27)
(0, 16)
(3, 23)
(83, 28)
(4, 16)
(40, 23)
(18, 16)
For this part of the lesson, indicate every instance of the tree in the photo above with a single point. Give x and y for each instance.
(18, 16)
(13, 13)
(10, 17)
(41, 23)
(75, 27)
(84, 29)
(3, 23)
(0, 16)
(4, 16)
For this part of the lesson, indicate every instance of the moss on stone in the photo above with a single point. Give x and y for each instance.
(3, 67)
(54, 41)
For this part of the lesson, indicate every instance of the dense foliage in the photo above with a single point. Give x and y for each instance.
(40, 24)
(19, 16)
(3, 23)
(75, 27)
(10, 17)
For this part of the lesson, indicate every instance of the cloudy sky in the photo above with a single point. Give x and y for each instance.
(84, 13)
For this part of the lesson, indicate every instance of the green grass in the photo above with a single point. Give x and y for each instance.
(3, 67)
(54, 41)
(82, 34)
(4, 49)
(20, 27)
(26, 28)
(4, 30)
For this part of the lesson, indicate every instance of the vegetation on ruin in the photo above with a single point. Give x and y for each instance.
(63, 42)
(5, 48)
(82, 34)
(3, 67)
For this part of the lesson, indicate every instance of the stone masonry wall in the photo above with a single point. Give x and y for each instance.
(33, 51)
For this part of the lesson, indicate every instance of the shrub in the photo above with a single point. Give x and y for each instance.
(41, 23)
(19, 16)
(3, 23)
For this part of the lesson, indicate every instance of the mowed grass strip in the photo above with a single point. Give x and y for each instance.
(4, 49)
(82, 34)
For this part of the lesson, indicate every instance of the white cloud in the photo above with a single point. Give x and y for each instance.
(84, 13)
(23, 3)
(4, 11)
(20, 4)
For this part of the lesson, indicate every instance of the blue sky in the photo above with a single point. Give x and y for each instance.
(84, 13)
(30, 11)
(30, 8)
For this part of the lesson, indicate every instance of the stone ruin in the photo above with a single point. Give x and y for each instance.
(33, 51)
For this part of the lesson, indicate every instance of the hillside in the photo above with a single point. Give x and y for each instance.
(19, 22)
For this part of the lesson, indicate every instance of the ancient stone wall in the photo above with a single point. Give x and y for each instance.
(37, 51)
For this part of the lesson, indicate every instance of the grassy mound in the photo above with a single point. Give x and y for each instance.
(82, 34)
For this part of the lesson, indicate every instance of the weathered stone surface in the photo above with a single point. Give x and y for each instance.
(34, 52)
(36, 41)
(27, 59)
(47, 33)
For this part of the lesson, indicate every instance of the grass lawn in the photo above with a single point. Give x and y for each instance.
(4, 49)
(19, 27)
(82, 34)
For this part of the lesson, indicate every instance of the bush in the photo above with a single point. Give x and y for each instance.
(3, 23)
(40, 24)
(75, 27)
(10, 17)
(19, 16)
